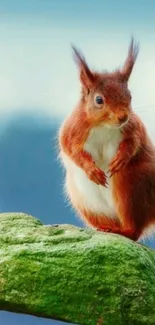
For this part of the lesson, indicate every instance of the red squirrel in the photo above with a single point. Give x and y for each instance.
(107, 153)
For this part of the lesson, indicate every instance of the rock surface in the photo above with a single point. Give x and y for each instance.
(76, 275)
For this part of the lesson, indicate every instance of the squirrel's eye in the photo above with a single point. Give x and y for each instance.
(99, 100)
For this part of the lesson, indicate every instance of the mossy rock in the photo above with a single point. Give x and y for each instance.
(76, 275)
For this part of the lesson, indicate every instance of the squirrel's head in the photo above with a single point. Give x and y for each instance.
(105, 96)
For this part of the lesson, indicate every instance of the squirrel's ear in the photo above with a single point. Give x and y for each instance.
(87, 78)
(130, 60)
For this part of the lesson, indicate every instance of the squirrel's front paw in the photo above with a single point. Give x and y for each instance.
(97, 175)
(117, 163)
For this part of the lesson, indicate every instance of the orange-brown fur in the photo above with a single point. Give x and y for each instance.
(132, 170)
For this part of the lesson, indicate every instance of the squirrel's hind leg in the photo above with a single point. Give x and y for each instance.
(126, 232)
(98, 221)
(105, 224)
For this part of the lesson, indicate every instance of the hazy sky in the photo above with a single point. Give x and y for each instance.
(36, 66)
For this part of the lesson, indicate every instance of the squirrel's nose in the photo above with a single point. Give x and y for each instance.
(123, 118)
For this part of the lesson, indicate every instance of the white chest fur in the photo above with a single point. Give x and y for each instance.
(102, 144)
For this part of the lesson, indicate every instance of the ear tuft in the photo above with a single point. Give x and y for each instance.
(87, 78)
(78, 56)
(130, 60)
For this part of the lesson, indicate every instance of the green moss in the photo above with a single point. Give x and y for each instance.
(72, 274)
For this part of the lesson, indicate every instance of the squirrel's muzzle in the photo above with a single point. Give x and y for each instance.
(123, 118)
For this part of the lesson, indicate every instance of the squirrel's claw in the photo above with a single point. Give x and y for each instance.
(98, 176)
(117, 164)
